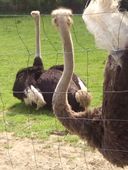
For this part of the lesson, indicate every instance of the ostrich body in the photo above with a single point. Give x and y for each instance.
(35, 86)
(106, 127)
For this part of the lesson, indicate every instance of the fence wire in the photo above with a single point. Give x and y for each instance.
(23, 49)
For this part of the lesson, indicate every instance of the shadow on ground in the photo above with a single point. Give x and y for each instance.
(21, 108)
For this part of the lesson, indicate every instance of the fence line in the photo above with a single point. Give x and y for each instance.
(29, 126)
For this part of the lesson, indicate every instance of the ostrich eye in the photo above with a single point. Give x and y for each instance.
(69, 21)
(55, 21)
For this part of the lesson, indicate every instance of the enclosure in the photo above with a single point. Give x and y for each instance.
(31, 139)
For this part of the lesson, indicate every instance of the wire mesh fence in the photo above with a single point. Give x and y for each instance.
(28, 137)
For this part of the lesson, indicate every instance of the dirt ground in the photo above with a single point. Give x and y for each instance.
(28, 154)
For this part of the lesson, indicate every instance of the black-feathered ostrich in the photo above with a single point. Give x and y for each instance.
(35, 86)
(106, 127)
(24, 87)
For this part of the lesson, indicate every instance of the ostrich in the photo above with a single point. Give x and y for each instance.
(35, 85)
(24, 87)
(105, 127)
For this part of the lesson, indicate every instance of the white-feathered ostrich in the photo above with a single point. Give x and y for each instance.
(106, 127)
(35, 86)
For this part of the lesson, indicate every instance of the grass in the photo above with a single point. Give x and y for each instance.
(17, 49)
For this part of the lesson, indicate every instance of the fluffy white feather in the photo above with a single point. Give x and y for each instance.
(107, 24)
(82, 86)
(61, 11)
(35, 13)
(34, 96)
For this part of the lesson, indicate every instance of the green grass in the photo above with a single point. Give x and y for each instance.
(17, 47)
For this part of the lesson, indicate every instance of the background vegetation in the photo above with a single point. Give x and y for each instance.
(45, 6)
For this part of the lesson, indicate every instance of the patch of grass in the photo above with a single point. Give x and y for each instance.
(26, 122)
(17, 47)
(73, 139)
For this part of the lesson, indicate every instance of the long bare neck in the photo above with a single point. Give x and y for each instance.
(38, 43)
(74, 121)
(62, 87)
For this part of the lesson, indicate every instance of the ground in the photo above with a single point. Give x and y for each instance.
(53, 154)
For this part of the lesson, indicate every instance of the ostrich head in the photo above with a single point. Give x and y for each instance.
(35, 14)
(58, 14)
(108, 25)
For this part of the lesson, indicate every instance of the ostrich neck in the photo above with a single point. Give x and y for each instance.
(74, 121)
(62, 87)
(38, 44)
